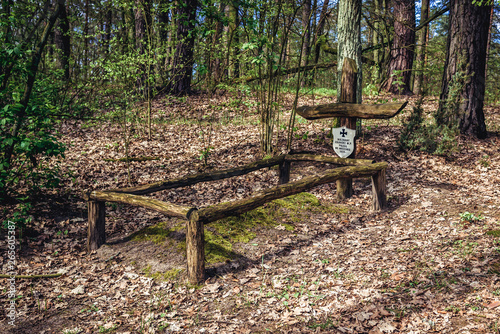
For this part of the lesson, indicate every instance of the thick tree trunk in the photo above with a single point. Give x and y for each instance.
(401, 59)
(349, 41)
(422, 43)
(216, 60)
(463, 86)
(142, 24)
(62, 41)
(163, 32)
(182, 69)
(319, 30)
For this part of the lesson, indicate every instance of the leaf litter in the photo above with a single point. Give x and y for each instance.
(416, 267)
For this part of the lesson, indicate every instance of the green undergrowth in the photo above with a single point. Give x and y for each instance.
(220, 236)
(494, 233)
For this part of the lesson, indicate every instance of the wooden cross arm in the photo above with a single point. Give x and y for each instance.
(367, 111)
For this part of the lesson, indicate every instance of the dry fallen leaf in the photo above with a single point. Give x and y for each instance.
(494, 304)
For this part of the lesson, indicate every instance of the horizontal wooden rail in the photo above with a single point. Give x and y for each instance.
(222, 210)
(332, 160)
(201, 177)
(170, 209)
(367, 111)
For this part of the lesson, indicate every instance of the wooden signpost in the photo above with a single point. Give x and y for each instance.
(348, 112)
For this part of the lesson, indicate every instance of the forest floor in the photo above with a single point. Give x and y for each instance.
(428, 263)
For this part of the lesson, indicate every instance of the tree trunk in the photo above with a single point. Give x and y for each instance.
(423, 37)
(348, 94)
(216, 63)
(319, 31)
(184, 52)
(463, 86)
(142, 24)
(163, 32)
(349, 41)
(62, 41)
(234, 40)
(401, 58)
(306, 27)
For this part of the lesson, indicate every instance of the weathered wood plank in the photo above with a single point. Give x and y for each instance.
(379, 190)
(96, 235)
(170, 209)
(284, 172)
(332, 160)
(366, 111)
(201, 177)
(257, 199)
(195, 249)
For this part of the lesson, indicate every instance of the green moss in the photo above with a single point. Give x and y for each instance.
(494, 233)
(157, 233)
(220, 236)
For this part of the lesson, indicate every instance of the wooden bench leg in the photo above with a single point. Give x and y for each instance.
(284, 172)
(195, 249)
(379, 191)
(344, 188)
(96, 234)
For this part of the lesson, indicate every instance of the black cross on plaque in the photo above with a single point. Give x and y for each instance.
(343, 133)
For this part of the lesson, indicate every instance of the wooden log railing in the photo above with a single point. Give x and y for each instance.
(197, 218)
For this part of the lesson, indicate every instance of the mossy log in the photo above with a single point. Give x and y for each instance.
(366, 111)
(233, 208)
(170, 209)
(201, 177)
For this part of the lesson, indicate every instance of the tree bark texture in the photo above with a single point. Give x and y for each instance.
(182, 65)
(62, 41)
(195, 249)
(379, 190)
(401, 58)
(349, 41)
(96, 235)
(348, 94)
(142, 23)
(463, 86)
(234, 40)
(306, 27)
(319, 30)
(423, 36)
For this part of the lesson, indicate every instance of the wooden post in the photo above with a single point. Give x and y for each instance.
(348, 95)
(284, 172)
(379, 190)
(96, 234)
(195, 248)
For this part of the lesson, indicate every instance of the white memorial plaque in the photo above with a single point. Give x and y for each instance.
(343, 141)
